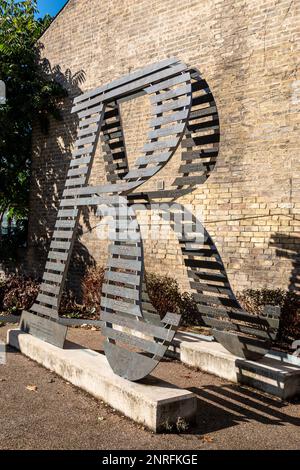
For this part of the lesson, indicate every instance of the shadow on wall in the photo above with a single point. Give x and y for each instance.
(288, 247)
(51, 156)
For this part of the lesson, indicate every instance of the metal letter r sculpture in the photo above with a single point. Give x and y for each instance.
(183, 109)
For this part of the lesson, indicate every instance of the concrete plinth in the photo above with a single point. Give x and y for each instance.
(153, 403)
(270, 375)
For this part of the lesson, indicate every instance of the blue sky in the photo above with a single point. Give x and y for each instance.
(50, 6)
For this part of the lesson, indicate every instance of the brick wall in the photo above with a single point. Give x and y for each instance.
(248, 53)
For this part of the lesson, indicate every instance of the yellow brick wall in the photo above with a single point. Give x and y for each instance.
(248, 51)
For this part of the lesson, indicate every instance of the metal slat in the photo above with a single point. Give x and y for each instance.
(80, 161)
(60, 245)
(90, 112)
(64, 234)
(78, 171)
(128, 78)
(49, 312)
(67, 213)
(163, 144)
(65, 223)
(86, 122)
(175, 117)
(147, 346)
(126, 278)
(119, 306)
(57, 255)
(108, 136)
(176, 104)
(171, 319)
(174, 93)
(185, 77)
(117, 166)
(72, 182)
(228, 326)
(59, 267)
(129, 87)
(125, 250)
(87, 130)
(52, 277)
(141, 326)
(106, 188)
(166, 131)
(52, 289)
(86, 140)
(46, 299)
(239, 315)
(84, 151)
(154, 158)
(214, 300)
(118, 291)
(141, 173)
(89, 201)
(125, 264)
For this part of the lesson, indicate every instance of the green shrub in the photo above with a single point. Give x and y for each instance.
(17, 293)
(253, 300)
(166, 296)
(91, 287)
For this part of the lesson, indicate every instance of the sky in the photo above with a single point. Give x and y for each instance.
(50, 6)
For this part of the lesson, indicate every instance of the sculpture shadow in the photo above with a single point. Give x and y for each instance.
(51, 157)
(221, 407)
(288, 247)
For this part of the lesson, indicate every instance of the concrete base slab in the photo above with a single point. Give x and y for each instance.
(153, 403)
(184, 337)
(278, 378)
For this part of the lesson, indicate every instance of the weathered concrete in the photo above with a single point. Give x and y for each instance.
(153, 403)
(185, 337)
(270, 375)
(2, 353)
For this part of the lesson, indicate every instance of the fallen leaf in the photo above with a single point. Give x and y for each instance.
(32, 388)
(207, 439)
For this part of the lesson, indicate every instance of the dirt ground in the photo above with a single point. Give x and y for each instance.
(39, 410)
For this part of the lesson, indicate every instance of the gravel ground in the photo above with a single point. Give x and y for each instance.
(52, 414)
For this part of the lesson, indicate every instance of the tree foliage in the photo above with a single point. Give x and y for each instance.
(32, 93)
